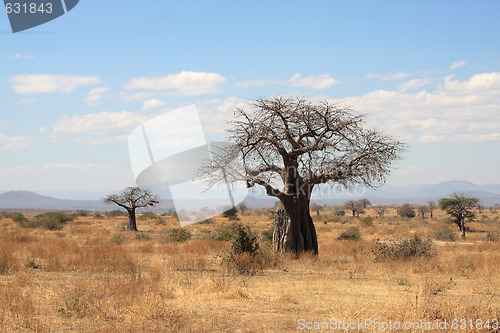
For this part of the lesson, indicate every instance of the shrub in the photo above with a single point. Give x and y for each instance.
(338, 212)
(231, 214)
(405, 249)
(142, 236)
(225, 233)
(19, 218)
(244, 241)
(406, 211)
(118, 239)
(177, 235)
(367, 221)
(148, 216)
(351, 233)
(244, 255)
(53, 221)
(115, 213)
(267, 235)
(491, 237)
(445, 234)
(82, 213)
(98, 216)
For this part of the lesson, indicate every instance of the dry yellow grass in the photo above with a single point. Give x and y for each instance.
(79, 278)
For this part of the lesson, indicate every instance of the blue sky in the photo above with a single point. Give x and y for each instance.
(71, 90)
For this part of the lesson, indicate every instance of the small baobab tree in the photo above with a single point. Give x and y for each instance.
(289, 145)
(132, 198)
(365, 203)
(317, 208)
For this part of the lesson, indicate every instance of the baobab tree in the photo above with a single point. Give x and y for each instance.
(289, 145)
(132, 198)
(355, 206)
(317, 208)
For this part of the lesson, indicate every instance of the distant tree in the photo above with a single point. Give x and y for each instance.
(380, 211)
(231, 213)
(422, 210)
(132, 198)
(354, 206)
(460, 208)
(406, 211)
(432, 205)
(242, 207)
(365, 203)
(317, 208)
(480, 208)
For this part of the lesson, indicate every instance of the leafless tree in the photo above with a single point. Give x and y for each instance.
(355, 206)
(289, 145)
(132, 198)
(432, 205)
(365, 203)
(422, 210)
(317, 208)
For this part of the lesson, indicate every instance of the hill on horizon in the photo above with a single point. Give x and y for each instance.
(489, 194)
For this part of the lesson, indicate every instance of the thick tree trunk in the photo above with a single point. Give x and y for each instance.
(293, 227)
(132, 226)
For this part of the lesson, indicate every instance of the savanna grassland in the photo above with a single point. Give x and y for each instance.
(92, 276)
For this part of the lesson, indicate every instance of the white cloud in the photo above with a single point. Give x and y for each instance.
(151, 104)
(14, 143)
(480, 83)
(316, 82)
(44, 83)
(458, 64)
(387, 77)
(97, 128)
(22, 56)
(457, 111)
(414, 84)
(253, 83)
(183, 84)
(95, 95)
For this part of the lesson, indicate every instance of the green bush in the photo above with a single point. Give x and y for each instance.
(98, 215)
(49, 221)
(367, 221)
(405, 249)
(231, 214)
(339, 212)
(115, 213)
(19, 218)
(148, 216)
(225, 233)
(445, 234)
(244, 241)
(267, 235)
(351, 233)
(177, 235)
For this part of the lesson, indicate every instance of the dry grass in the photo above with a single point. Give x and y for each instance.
(78, 279)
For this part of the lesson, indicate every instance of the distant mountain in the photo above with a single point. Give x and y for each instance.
(488, 194)
(31, 200)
